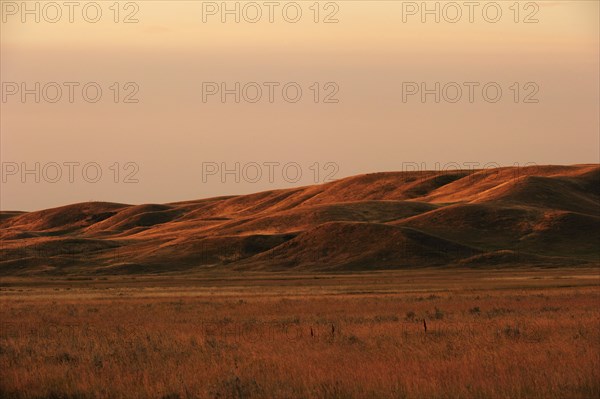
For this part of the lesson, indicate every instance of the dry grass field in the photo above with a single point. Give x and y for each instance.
(490, 334)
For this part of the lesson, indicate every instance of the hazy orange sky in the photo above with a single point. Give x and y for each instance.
(369, 54)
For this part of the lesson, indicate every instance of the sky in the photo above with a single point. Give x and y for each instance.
(163, 101)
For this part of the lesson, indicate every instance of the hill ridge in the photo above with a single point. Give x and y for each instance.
(540, 215)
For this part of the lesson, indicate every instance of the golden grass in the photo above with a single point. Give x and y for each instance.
(518, 334)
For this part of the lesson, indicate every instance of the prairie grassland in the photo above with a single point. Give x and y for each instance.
(513, 334)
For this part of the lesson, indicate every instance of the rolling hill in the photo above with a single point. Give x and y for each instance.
(539, 215)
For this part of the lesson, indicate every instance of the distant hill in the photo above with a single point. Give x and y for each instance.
(540, 215)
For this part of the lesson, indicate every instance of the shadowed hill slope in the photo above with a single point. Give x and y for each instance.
(539, 215)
